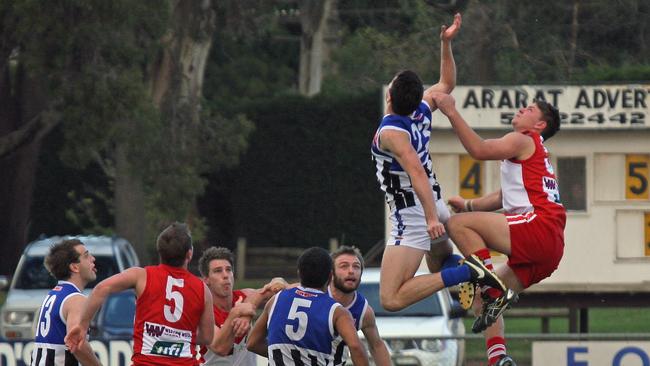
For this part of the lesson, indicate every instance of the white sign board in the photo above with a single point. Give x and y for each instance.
(592, 353)
(581, 107)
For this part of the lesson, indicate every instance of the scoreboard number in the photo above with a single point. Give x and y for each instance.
(637, 174)
(470, 177)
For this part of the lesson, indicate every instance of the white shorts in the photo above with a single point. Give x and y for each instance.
(409, 227)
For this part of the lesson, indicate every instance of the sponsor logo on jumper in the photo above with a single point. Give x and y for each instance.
(549, 183)
(305, 293)
(154, 330)
(172, 349)
(160, 330)
(57, 288)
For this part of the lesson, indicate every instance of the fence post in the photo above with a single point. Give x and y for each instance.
(241, 259)
(334, 244)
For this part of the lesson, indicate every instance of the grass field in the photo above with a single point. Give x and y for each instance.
(601, 320)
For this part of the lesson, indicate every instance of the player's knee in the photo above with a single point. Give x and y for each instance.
(455, 225)
(390, 302)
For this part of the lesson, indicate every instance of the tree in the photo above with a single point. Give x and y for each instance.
(314, 16)
(124, 81)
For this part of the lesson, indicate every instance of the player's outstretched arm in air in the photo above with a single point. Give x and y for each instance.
(447, 81)
(512, 145)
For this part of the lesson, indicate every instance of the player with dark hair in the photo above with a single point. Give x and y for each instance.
(400, 151)
(173, 310)
(233, 309)
(348, 268)
(303, 325)
(74, 267)
(530, 231)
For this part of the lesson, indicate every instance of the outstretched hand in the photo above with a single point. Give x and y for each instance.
(75, 338)
(448, 33)
(276, 285)
(445, 102)
(457, 204)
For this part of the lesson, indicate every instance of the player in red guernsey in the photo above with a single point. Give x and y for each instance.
(173, 308)
(233, 309)
(530, 231)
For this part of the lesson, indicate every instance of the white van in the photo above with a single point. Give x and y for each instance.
(31, 281)
(418, 334)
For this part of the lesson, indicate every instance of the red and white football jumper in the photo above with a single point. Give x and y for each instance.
(240, 356)
(536, 217)
(167, 316)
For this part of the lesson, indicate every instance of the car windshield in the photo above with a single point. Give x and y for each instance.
(120, 310)
(429, 306)
(33, 274)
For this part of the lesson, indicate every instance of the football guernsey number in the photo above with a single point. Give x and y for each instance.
(297, 333)
(46, 321)
(176, 297)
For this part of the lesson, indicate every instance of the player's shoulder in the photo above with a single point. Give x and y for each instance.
(424, 107)
(394, 120)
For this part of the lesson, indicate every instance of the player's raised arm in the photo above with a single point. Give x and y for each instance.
(447, 81)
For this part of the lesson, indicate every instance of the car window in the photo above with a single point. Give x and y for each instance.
(429, 306)
(120, 310)
(125, 256)
(33, 274)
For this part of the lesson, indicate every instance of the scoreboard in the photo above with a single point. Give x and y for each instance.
(601, 156)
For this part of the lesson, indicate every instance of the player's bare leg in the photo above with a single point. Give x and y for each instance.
(398, 288)
(436, 256)
(472, 231)
(495, 334)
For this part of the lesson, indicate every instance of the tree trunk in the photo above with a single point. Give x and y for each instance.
(573, 42)
(19, 106)
(482, 71)
(176, 84)
(130, 215)
(313, 19)
(16, 193)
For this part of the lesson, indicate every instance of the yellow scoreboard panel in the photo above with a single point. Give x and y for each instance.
(471, 177)
(637, 176)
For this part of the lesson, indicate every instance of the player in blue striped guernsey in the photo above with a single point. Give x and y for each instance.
(400, 151)
(74, 267)
(348, 266)
(303, 325)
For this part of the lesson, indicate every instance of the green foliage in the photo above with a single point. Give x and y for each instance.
(94, 59)
(307, 175)
(607, 73)
(370, 55)
(501, 42)
(244, 70)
